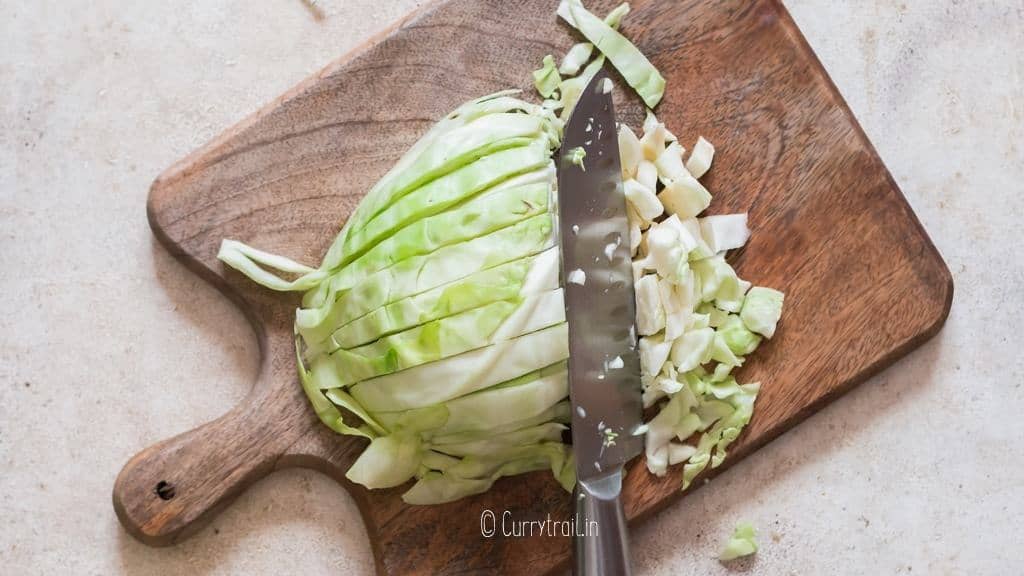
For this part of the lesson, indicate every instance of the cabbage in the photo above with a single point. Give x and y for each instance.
(762, 309)
(445, 337)
(571, 88)
(580, 53)
(421, 273)
(670, 163)
(725, 232)
(450, 378)
(643, 200)
(435, 325)
(494, 209)
(546, 80)
(630, 152)
(249, 261)
(627, 59)
(700, 159)
(502, 282)
(685, 197)
(742, 543)
(690, 311)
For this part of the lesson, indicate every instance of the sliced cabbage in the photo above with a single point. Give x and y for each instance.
(445, 337)
(571, 88)
(627, 59)
(450, 378)
(497, 208)
(251, 262)
(387, 462)
(421, 273)
(580, 53)
(531, 163)
(434, 325)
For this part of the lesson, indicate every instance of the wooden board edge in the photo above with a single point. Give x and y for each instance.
(192, 161)
(791, 28)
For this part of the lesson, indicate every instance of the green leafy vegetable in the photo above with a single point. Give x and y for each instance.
(435, 327)
(742, 543)
(547, 79)
(627, 59)
(580, 53)
(762, 309)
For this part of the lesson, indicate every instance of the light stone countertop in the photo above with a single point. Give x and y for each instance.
(108, 345)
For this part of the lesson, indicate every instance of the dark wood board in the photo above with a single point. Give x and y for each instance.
(864, 284)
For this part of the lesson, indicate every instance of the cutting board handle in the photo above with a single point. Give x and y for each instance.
(173, 488)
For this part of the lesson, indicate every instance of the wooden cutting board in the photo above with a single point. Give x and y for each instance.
(864, 284)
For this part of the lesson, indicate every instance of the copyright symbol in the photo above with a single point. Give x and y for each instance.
(487, 523)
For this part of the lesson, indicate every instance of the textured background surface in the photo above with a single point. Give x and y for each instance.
(108, 345)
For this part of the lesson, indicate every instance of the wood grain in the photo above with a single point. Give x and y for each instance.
(864, 284)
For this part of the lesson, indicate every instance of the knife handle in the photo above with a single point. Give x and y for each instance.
(601, 546)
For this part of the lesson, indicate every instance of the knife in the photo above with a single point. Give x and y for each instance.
(604, 366)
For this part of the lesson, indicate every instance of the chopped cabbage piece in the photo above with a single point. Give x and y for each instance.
(670, 163)
(650, 316)
(693, 349)
(630, 152)
(643, 199)
(547, 79)
(647, 174)
(653, 142)
(762, 309)
(725, 231)
(700, 158)
(742, 543)
(685, 197)
(740, 340)
(654, 352)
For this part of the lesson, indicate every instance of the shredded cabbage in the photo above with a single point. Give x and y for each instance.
(580, 53)
(627, 59)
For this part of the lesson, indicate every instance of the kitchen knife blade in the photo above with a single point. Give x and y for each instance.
(604, 365)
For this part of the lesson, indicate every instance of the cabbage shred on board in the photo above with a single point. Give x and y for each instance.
(435, 325)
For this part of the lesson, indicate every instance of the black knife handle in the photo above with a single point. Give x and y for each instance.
(601, 546)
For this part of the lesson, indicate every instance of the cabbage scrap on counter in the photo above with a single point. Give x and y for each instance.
(435, 324)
